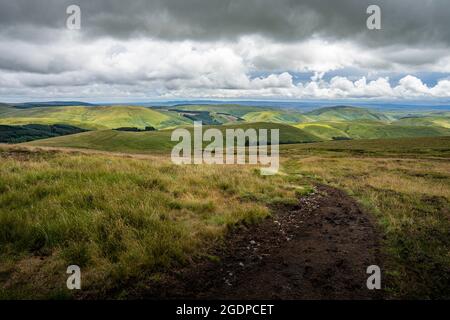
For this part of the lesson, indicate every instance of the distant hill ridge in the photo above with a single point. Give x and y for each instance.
(347, 113)
(51, 104)
(326, 123)
(93, 117)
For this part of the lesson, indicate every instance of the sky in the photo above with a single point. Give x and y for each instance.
(139, 50)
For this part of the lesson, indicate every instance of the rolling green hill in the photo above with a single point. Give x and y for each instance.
(51, 104)
(114, 141)
(345, 113)
(157, 141)
(217, 114)
(232, 109)
(368, 130)
(4, 108)
(275, 116)
(323, 130)
(207, 117)
(93, 117)
(330, 123)
(434, 121)
(225, 118)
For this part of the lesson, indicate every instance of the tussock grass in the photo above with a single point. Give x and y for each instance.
(410, 198)
(117, 218)
(131, 218)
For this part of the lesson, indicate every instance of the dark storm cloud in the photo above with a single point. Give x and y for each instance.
(21, 57)
(403, 21)
(136, 48)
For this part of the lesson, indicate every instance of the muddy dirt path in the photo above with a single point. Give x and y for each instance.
(319, 249)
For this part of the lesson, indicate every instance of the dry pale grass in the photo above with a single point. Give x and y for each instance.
(119, 218)
(411, 198)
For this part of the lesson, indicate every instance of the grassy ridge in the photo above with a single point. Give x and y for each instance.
(435, 121)
(321, 124)
(369, 130)
(117, 218)
(93, 117)
(275, 116)
(116, 141)
(158, 141)
(232, 109)
(345, 113)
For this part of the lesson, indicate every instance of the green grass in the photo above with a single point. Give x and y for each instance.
(321, 124)
(115, 141)
(157, 141)
(405, 183)
(275, 116)
(232, 109)
(435, 121)
(345, 113)
(224, 118)
(125, 219)
(93, 117)
(438, 147)
(323, 130)
(128, 219)
(369, 130)
(120, 219)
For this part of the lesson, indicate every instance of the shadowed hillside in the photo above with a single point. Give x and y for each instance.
(29, 132)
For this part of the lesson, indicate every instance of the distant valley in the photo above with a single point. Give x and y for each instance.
(322, 124)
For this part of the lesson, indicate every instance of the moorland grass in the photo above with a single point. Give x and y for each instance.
(141, 217)
(409, 193)
(117, 218)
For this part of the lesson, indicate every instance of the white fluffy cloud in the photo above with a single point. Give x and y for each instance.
(150, 68)
(223, 48)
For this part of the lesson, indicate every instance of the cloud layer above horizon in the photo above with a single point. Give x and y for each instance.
(305, 49)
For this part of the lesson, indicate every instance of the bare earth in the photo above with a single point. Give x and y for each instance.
(319, 249)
